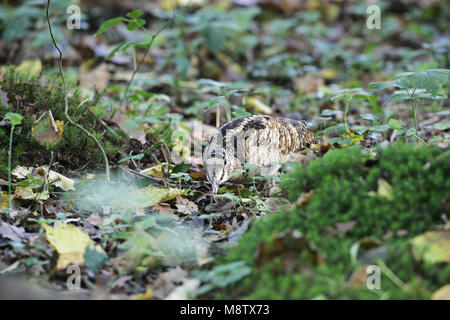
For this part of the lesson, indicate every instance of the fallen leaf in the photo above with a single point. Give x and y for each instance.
(98, 76)
(11, 232)
(442, 293)
(260, 107)
(149, 196)
(132, 128)
(4, 200)
(198, 175)
(165, 283)
(186, 291)
(94, 219)
(3, 97)
(432, 246)
(289, 246)
(329, 73)
(165, 209)
(46, 131)
(358, 277)
(155, 171)
(148, 294)
(11, 267)
(186, 206)
(70, 243)
(26, 193)
(343, 227)
(54, 178)
(304, 198)
(385, 189)
(308, 83)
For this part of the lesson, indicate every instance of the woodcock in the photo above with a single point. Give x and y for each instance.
(263, 141)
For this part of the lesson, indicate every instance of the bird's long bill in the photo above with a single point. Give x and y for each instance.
(214, 186)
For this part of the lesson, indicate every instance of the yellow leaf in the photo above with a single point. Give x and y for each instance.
(3, 200)
(30, 67)
(70, 243)
(46, 131)
(329, 73)
(26, 193)
(442, 293)
(432, 246)
(53, 177)
(385, 189)
(60, 181)
(155, 171)
(259, 106)
(352, 134)
(148, 294)
(149, 196)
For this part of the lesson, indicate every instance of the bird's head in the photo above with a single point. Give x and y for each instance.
(215, 169)
(305, 136)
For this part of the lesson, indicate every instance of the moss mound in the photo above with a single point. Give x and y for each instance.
(28, 96)
(376, 205)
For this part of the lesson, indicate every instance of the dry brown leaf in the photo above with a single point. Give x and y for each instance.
(186, 206)
(99, 77)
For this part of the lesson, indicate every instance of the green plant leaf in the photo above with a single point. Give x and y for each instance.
(443, 125)
(395, 124)
(430, 80)
(135, 14)
(15, 118)
(108, 25)
(135, 24)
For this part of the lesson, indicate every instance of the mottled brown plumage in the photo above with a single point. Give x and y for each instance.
(264, 141)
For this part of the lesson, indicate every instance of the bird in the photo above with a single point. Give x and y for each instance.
(264, 142)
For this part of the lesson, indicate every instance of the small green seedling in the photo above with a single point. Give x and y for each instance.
(416, 85)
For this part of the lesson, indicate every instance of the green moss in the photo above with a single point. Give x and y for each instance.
(31, 97)
(345, 186)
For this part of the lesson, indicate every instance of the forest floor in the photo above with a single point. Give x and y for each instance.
(142, 79)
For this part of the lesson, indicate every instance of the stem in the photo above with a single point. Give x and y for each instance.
(9, 166)
(420, 139)
(66, 100)
(391, 275)
(347, 104)
(414, 113)
(136, 68)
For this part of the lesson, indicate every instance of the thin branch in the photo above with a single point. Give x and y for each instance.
(66, 100)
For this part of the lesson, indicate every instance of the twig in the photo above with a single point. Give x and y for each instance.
(66, 100)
